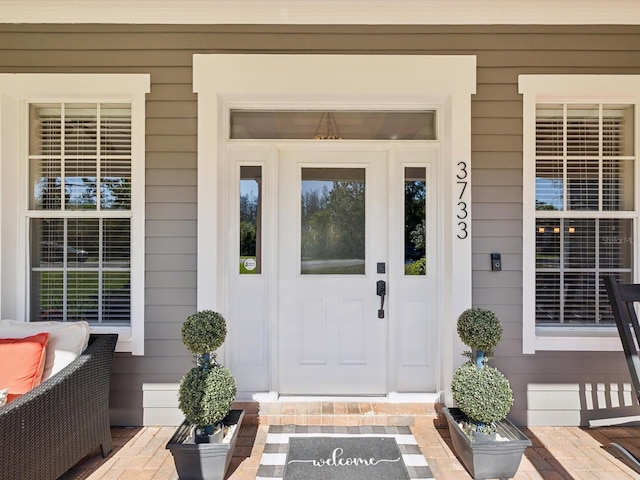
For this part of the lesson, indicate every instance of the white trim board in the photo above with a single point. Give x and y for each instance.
(326, 12)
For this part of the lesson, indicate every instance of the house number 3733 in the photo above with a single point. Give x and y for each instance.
(462, 210)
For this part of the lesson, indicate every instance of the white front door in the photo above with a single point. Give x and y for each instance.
(340, 211)
(332, 220)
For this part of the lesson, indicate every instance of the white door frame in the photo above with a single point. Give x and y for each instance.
(354, 81)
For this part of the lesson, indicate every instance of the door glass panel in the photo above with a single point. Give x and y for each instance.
(332, 221)
(415, 202)
(333, 125)
(250, 220)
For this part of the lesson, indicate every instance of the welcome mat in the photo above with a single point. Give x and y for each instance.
(294, 452)
(334, 458)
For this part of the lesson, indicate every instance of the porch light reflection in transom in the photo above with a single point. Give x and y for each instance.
(351, 125)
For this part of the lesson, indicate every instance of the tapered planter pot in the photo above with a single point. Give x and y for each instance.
(488, 457)
(204, 461)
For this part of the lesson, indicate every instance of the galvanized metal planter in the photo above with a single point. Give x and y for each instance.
(204, 461)
(487, 458)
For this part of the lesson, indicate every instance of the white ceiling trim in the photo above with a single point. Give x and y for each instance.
(336, 12)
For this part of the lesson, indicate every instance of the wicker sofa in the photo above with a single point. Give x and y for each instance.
(49, 429)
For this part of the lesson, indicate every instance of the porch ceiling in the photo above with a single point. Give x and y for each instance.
(328, 12)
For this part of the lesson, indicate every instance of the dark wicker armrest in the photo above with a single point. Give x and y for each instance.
(49, 429)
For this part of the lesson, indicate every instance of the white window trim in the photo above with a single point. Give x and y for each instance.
(564, 88)
(15, 91)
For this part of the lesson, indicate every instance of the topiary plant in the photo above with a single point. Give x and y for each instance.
(207, 391)
(482, 392)
(204, 332)
(479, 329)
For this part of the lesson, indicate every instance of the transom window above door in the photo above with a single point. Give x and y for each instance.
(332, 125)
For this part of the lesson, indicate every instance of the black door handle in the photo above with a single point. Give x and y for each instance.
(381, 291)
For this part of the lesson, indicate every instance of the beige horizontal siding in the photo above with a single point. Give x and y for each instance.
(166, 52)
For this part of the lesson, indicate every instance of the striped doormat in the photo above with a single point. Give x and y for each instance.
(274, 456)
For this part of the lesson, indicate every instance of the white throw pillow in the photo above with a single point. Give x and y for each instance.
(3, 396)
(67, 340)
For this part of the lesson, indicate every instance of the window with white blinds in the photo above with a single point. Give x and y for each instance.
(79, 212)
(585, 166)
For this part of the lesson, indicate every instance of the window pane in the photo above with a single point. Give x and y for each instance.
(115, 163)
(547, 243)
(415, 198)
(80, 269)
(617, 130)
(45, 140)
(116, 298)
(615, 244)
(575, 157)
(82, 242)
(115, 129)
(250, 220)
(571, 255)
(81, 299)
(349, 125)
(550, 157)
(583, 130)
(116, 243)
(80, 184)
(79, 179)
(583, 189)
(579, 298)
(115, 184)
(80, 129)
(579, 242)
(617, 184)
(549, 130)
(80, 164)
(333, 221)
(45, 184)
(47, 242)
(549, 184)
(548, 306)
(45, 126)
(47, 296)
(571, 298)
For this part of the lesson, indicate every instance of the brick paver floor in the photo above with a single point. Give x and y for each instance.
(569, 453)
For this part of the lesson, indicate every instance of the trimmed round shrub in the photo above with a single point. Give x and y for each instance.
(479, 329)
(205, 396)
(204, 331)
(483, 394)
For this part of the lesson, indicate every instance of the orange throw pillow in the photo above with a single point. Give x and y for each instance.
(22, 362)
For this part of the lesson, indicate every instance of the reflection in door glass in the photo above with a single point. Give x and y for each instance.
(250, 220)
(415, 201)
(332, 221)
